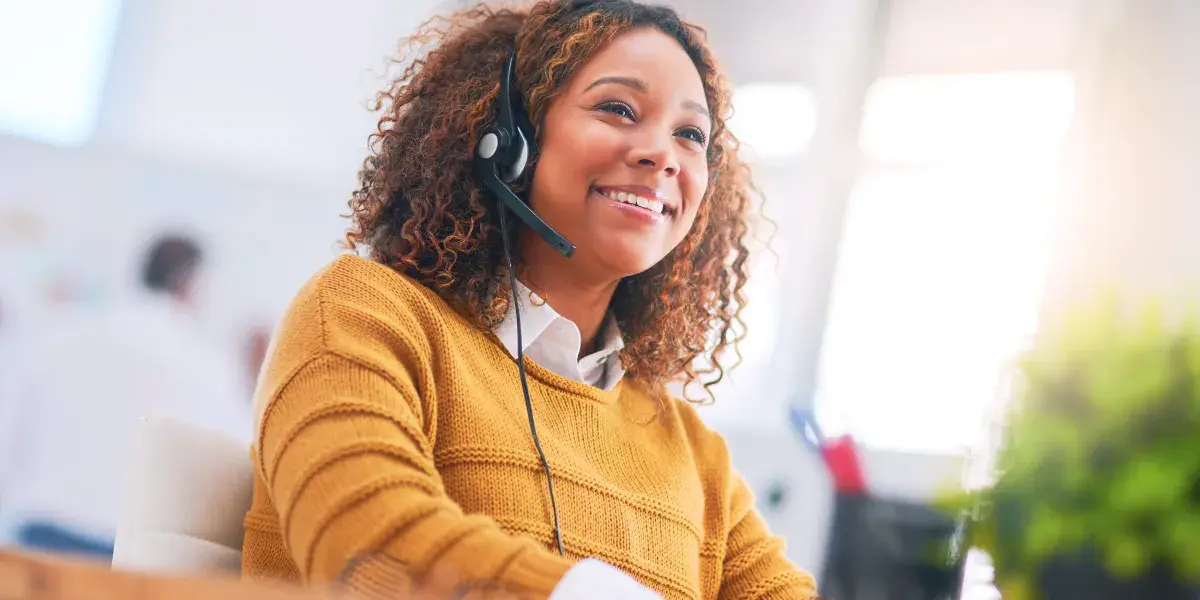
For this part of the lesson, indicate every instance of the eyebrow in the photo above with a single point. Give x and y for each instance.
(696, 106)
(640, 86)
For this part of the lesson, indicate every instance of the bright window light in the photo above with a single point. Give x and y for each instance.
(938, 285)
(968, 119)
(775, 120)
(54, 57)
(943, 257)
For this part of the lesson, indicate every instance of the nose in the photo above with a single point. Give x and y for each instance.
(656, 153)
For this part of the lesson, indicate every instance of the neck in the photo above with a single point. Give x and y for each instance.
(582, 301)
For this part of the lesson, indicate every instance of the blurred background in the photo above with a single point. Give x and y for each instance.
(945, 176)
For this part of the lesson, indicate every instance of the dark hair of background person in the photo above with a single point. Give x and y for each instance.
(170, 262)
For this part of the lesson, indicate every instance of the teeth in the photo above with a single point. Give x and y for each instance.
(652, 205)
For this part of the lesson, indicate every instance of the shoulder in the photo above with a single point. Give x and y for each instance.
(355, 311)
(353, 281)
(360, 310)
(354, 298)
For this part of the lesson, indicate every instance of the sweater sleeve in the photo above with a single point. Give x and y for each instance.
(344, 454)
(755, 565)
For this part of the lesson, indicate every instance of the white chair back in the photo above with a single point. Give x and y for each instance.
(186, 494)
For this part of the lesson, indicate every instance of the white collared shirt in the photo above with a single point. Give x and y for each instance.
(553, 341)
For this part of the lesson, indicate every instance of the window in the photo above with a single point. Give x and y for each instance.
(945, 248)
(971, 120)
(775, 121)
(54, 58)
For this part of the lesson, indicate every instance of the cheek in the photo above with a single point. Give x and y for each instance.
(575, 158)
(594, 146)
(693, 185)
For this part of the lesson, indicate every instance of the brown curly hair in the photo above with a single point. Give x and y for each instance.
(421, 211)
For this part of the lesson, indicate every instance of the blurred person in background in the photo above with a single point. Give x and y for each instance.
(393, 420)
(68, 414)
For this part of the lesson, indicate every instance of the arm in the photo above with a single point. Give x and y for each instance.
(755, 565)
(343, 453)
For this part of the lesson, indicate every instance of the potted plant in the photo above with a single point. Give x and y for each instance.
(1097, 488)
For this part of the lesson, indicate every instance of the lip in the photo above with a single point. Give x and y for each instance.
(649, 193)
(635, 212)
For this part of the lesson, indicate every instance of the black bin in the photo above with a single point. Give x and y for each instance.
(883, 549)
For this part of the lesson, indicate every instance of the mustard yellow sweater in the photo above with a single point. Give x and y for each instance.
(388, 422)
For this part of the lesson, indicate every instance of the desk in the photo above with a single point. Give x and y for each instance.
(38, 577)
(25, 576)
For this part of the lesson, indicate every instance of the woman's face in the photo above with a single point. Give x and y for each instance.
(623, 164)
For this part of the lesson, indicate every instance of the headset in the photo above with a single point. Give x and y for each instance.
(500, 158)
(502, 154)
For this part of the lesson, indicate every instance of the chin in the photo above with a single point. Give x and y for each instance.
(627, 262)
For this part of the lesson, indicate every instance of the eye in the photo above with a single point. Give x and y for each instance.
(694, 134)
(617, 108)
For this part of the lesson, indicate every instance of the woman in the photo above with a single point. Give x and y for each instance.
(391, 415)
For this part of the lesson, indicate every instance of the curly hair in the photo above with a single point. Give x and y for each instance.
(420, 210)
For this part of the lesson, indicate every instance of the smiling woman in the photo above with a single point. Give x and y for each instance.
(654, 92)
(390, 423)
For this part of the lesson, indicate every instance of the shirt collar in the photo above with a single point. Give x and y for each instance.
(553, 341)
(610, 337)
(603, 368)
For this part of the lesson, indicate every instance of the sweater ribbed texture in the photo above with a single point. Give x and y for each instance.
(389, 425)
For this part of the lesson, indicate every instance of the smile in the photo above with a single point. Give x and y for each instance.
(634, 200)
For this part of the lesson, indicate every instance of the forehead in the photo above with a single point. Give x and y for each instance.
(647, 54)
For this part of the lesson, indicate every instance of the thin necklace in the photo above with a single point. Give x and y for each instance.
(535, 298)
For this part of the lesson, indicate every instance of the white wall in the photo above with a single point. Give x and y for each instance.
(271, 87)
(1133, 220)
(96, 209)
(244, 122)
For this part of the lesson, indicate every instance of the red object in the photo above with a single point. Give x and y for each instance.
(841, 458)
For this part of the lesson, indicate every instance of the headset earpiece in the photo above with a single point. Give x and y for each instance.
(509, 153)
(521, 150)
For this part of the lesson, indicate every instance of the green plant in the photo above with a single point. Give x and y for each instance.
(1102, 452)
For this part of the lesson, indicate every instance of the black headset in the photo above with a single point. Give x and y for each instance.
(500, 158)
(503, 152)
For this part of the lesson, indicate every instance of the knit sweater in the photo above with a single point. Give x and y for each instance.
(388, 423)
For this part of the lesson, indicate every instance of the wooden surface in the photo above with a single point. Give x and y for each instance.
(37, 577)
(25, 576)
